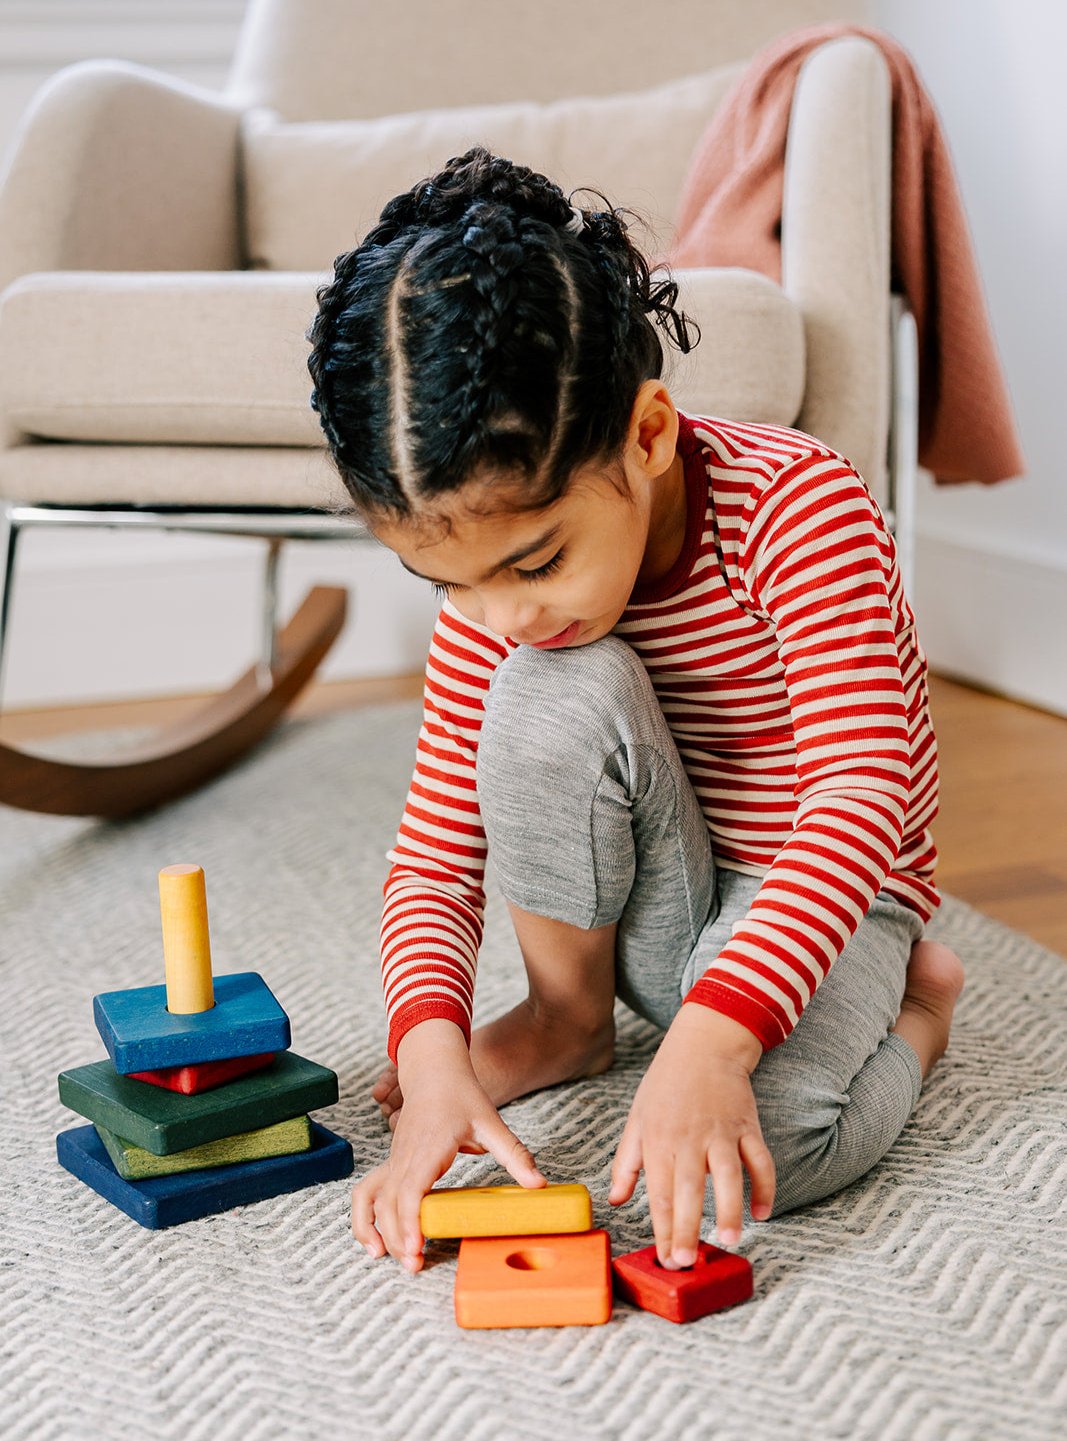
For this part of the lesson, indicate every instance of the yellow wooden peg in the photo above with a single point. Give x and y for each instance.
(505, 1211)
(186, 944)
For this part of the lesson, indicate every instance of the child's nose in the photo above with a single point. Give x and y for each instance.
(514, 617)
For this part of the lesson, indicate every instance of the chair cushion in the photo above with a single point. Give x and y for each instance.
(189, 476)
(207, 359)
(185, 357)
(314, 188)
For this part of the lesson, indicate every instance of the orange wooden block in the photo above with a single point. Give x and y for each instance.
(534, 1281)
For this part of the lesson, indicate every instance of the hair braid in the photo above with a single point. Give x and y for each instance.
(484, 325)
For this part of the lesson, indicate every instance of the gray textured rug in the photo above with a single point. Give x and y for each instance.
(926, 1301)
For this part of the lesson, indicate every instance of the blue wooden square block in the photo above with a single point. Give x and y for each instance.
(190, 1195)
(141, 1034)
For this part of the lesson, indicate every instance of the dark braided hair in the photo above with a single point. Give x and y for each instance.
(481, 332)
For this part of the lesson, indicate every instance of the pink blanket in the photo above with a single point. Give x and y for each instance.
(731, 211)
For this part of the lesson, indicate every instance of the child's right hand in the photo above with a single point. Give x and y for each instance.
(445, 1110)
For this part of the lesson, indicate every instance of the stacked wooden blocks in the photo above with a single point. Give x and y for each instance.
(528, 1257)
(202, 1106)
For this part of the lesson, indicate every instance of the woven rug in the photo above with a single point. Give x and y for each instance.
(928, 1300)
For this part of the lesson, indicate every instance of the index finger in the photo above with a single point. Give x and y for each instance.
(505, 1147)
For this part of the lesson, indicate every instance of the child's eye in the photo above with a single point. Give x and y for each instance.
(549, 568)
(446, 587)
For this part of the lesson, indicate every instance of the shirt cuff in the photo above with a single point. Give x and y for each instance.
(425, 1011)
(765, 1026)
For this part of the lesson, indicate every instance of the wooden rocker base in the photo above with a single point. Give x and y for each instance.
(194, 750)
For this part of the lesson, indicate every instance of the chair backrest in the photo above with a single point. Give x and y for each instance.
(349, 59)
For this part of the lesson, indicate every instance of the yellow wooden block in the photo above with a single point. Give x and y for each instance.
(283, 1138)
(505, 1211)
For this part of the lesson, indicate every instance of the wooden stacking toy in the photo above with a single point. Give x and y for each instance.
(528, 1257)
(202, 1106)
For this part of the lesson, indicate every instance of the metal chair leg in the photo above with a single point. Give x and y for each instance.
(9, 533)
(195, 749)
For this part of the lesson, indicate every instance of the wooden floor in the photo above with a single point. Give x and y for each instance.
(1001, 834)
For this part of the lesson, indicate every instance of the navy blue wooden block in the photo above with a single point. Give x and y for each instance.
(189, 1195)
(141, 1034)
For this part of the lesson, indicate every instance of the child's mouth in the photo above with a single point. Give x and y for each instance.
(563, 638)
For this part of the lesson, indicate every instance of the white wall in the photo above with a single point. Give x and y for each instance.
(992, 562)
(991, 588)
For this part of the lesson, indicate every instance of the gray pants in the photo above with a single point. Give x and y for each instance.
(591, 819)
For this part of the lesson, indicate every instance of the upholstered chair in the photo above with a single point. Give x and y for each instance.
(161, 245)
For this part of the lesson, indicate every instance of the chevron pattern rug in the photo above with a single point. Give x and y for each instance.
(928, 1300)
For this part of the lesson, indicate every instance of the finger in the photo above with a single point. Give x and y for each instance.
(363, 1227)
(391, 1101)
(659, 1185)
(760, 1166)
(626, 1166)
(724, 1163)
(409, 1227)
(385, 1083)
(690, 1184)
(505, 1147)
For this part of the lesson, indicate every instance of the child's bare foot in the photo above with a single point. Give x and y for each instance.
(931, 990)
(522, 1051)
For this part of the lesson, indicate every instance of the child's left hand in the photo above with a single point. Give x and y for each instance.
(695, 1113)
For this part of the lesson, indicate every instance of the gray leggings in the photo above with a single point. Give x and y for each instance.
(591, 819)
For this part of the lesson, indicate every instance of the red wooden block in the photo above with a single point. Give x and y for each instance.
(717, 1279)
(205, 1076)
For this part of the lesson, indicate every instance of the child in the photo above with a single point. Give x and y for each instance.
(674, 688)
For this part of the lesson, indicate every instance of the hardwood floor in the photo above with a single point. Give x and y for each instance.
(1001, 833)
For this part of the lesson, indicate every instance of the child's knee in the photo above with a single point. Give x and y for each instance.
(801, 1133)
(576, 681)
(550, 710)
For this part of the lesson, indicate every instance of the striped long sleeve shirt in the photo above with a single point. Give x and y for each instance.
(785, 658)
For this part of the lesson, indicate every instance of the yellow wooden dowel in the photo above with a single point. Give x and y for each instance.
(186, 944)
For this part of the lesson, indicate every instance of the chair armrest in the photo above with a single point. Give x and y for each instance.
(116, 167)
(836, 213)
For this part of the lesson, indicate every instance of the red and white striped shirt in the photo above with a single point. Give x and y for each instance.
(784, 655)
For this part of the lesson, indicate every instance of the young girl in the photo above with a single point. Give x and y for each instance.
(674, 689)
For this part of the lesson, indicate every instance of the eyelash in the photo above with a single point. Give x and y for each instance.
(541, 573)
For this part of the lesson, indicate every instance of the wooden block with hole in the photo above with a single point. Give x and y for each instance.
(557, 1280)
(169, 1200)
(163, 1122)
(504, 1211)
(716, 1280)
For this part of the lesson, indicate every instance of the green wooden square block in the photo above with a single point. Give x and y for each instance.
(164, 1121)
(134, 1163)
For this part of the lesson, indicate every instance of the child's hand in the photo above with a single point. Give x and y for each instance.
(694, 1112)
(445, 1110)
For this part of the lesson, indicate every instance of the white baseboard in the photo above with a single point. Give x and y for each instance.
(104, 616)
(997, 618)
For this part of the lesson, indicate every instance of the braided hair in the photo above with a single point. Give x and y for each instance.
(485, 328)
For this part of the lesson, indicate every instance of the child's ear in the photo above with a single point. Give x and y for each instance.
(653, 429)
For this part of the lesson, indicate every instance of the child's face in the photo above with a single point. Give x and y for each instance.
(560, 576)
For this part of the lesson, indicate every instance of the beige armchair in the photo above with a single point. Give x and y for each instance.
(160, 248)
